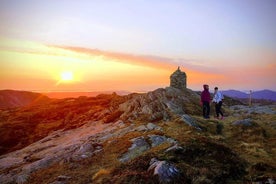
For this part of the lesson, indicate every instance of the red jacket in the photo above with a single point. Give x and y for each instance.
(205, 94)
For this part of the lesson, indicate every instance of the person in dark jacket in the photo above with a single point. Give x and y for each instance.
(205, 100)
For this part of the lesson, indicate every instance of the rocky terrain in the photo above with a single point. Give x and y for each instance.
(155, 137)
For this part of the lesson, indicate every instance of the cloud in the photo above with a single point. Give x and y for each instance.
(141, 60)
(96, 66)
(164, 63)
(188, 65)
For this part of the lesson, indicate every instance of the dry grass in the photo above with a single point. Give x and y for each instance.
(219, 153)
(206, 157)
(101, 175)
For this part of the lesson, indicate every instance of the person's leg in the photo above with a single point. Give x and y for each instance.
(204, 109)
(208, 110)
(217, 110)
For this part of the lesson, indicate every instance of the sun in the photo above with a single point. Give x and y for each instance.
(67, 76)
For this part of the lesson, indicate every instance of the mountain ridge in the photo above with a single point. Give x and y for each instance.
(14, 98)
(261, 94)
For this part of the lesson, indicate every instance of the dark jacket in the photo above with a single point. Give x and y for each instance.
(205, 94)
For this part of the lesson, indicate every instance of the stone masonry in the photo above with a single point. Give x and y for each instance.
(178, 79)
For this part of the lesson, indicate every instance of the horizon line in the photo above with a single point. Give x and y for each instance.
(122, 90)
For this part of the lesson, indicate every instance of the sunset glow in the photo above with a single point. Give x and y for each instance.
(87, 51)
(66, 76)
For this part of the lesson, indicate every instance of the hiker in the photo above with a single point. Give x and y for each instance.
(205, 100)
(218, 97)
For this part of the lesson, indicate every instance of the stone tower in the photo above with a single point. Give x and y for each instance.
(178, 79)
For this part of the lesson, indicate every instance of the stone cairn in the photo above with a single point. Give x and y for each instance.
(178, 79)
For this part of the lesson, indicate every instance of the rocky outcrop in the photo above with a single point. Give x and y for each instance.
(74, 145)
(21, 127)
(115, 137)
(35, 123)
(60, 146)
(190, 121)
(141, 144)
(161, 104)
(148, 127)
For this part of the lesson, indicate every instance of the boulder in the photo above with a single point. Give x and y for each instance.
(151, 126)
(245, 122)
(148, 127)
(160, 104)
(166, 172)
(190, 121)
(157, 140)
(139, 146)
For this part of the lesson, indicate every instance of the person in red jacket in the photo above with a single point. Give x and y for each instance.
(205, 100)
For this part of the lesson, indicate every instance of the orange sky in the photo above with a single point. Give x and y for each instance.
(37, 67)
(136, 45)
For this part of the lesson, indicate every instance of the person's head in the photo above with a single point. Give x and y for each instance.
(206, 86)
(216, 88)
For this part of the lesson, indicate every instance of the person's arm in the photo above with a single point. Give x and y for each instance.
(201, 99)
(215, 97)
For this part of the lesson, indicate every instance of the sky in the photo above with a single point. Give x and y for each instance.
(136, 45)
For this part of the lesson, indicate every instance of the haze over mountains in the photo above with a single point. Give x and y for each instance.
(68, 94)
(13, 98)
(262, 94)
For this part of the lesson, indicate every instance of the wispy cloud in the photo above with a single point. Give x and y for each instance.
(131, 69)
(150, 61)
(166, 63)
(189, 65)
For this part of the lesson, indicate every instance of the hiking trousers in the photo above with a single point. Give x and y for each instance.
(218, 109)
(206, 109)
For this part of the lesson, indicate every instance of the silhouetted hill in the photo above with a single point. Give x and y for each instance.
(263, 94)
(12, 98)
(235, 94)
(69, 94)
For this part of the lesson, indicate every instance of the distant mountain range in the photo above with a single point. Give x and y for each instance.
(69, 94)
(12, 98)
(263, 94)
